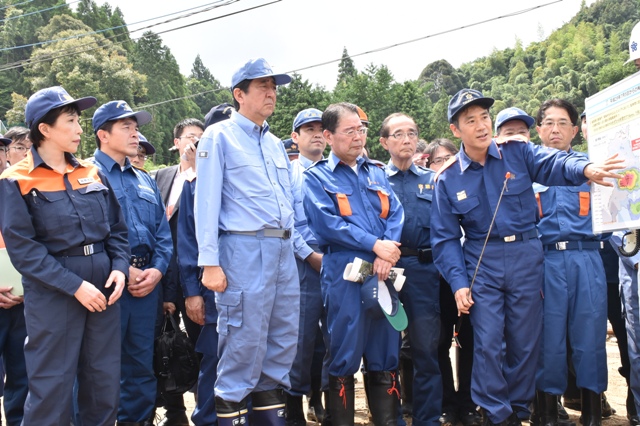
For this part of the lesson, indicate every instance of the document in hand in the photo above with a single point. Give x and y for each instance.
(10, 277)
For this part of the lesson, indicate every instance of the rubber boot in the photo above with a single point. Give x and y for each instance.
(591, 408)
(315, 412)
(294, 413)
(607, 409)
(384, 395)
(269, 407)
(326, 421)
(548, 415)
(232, 413)
(406, 382)
(341, 400)
(630, 404)
(486, 421)
(537, 408)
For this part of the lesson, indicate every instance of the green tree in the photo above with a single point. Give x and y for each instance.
(209, 91)
(346, 68)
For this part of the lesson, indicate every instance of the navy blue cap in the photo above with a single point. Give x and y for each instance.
(149, 149)
(513, 113)
(4, 140)
(45, 100)
(257, 68)
(380, 300)
(291, 147)
(583, 115)
(218, 113)
(305, 116)
(117, 110)
(465, 98)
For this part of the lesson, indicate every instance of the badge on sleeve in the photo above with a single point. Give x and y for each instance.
(462, 195)
(203, 154)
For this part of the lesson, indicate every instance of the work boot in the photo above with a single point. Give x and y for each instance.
(294, 413)
(315, 410)
(607, 410)
(549, 414)
(384, 395)
(326, 421)
(591, 408)
(406, 383)
(513, 420)
(231, 413)
(486, 421)
(269, 407)
(341, 402)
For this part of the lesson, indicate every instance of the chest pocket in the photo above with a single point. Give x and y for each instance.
(518, 201)
(423, 209)
(469, 210)
(146, 206)
(383, 198)
(283, 173)
(245, 175)
(94, 200)
(583, 197)
(341, 197)
(47, 211)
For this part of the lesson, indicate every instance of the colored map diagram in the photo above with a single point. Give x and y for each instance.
(613, 119)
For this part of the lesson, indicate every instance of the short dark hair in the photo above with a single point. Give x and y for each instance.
(179, 128)
(17, 134)
(50, 118)
(107, 127)
(384, 128)
(331, 116)
(437, 143)
(244, 86)
(557, 103)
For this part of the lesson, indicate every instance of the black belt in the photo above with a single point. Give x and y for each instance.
(87, 250)
(285, 234)
(424, 255)
(574, 245)
(140, 261)
(529, 235)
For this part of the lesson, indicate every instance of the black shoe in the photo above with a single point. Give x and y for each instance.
(634, 420)
(470, 418)
(175, 420)
(562, 413)
(572, 403)
(607, 410)
(448, 419)
(513, 420)
(315, 410)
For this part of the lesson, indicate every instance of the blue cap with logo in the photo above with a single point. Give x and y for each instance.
(513, 113)
(257, 68)
(380, 299)
(291, 147)
(305, 116)
(218, 113)
(117, 110)
(45, 100)
(148, 148)
(465, 98)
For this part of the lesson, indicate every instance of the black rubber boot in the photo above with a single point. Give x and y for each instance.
(607, 409)
(341, 400)
(549, 415)
(268, 408)
(406, 382)
(486, 421)
(631, 404)
(315, 411)
(591, 408)
(327, 411)
(537, 408)
(384, 396)
(231, 413)
(294, 413)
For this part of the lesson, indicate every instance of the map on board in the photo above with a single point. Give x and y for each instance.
(613, 119)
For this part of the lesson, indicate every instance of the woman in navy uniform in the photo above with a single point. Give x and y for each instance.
(66, 235)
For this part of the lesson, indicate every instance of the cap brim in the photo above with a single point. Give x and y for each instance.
(85, 103)
(142, 117)
(528, 120)
(5, 141)
(391, 306)
(483, 102)
(148, 147)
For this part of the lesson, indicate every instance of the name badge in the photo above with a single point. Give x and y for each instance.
(462, 195)
(86, 180)
(203, 154)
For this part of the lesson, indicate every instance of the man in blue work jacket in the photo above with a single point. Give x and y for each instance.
(420, 295)
(353, 212)
(575, 287)
(307, 135)
(483, 182)
(244, 224)
(116, 127)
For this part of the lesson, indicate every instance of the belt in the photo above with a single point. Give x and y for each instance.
(140, 261)
(285, 234)
(87, 250)
(529, 235)
(424, 255)
(574, 245)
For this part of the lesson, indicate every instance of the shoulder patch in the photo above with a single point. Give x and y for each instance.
(445, 166)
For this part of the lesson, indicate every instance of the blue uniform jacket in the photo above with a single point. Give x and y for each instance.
(188, 254)
(297, 169)
(346, 211)
(143, 210)
(44, 213)
(414, 188)
(467, 195)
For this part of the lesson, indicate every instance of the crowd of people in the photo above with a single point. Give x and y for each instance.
(494, 245)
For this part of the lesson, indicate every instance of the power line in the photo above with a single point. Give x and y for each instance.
(114, 28)
(38, 11)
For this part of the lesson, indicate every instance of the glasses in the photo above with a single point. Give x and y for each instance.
(193, 138)
(562, 124)
(439, 160)
(142, 157)
(353, 132)
(401, 135)
(20, 149)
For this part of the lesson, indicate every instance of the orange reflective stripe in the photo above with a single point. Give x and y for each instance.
(384, 204)
(584, 203)
(2, 242)
(343, 205)
(539, 204)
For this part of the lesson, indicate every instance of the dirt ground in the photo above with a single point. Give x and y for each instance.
(616, 394)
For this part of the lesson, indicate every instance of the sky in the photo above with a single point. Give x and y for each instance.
(295, 34)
